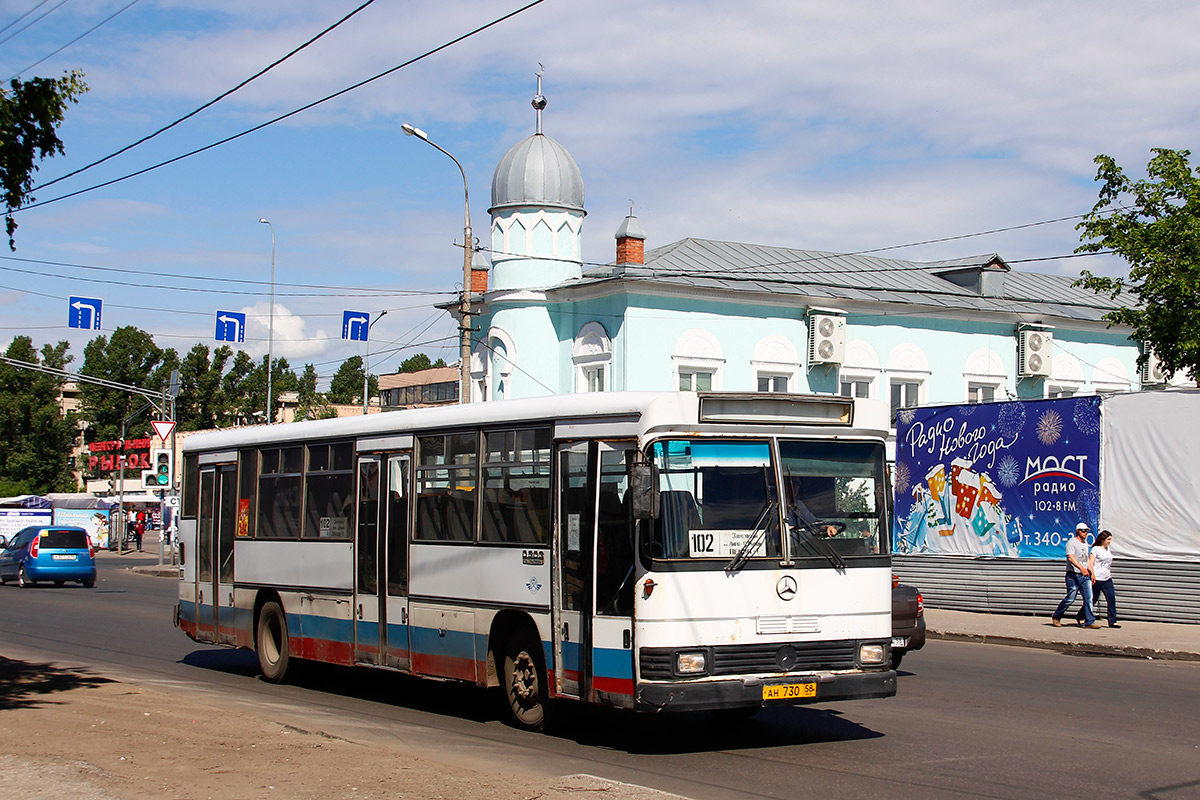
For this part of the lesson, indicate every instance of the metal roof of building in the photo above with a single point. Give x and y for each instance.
(829, 277)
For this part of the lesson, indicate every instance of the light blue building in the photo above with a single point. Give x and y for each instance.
(701, 314)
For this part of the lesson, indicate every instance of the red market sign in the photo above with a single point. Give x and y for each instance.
(106, 456)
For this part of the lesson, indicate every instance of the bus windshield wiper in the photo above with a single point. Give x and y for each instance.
(757, 534)
(817, 536)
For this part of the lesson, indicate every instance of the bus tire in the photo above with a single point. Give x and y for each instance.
(272, 642)
(523, 681)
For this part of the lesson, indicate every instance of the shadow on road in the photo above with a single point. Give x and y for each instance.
(24, 685)
(591, 726)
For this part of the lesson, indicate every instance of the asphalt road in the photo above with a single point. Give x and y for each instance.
(970, 720)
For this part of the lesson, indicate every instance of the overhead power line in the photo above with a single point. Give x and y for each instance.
(35, 20)
(38, 5)
(282, 117)
(184, 276)
(210, 103)
(102, 22)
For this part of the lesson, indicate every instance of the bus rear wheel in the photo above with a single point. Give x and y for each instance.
(272, 642)
(524, 683)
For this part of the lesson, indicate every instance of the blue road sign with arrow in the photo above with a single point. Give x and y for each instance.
(231, 326)
(84, 312)
(355, 325)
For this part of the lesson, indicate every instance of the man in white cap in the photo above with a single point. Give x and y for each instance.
(1079, 579)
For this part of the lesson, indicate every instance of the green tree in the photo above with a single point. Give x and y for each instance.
(30, 113)
(1154, 224)
(129, 357)
(347, 383)
(202, 403)
(419, 362)
(35, 450)
(311, 403)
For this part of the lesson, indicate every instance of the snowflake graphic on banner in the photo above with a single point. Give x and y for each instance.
(1009, 471)
(1049, 427)
(1011, 420)
(903, 478)
(1087, 415)
(907, 415)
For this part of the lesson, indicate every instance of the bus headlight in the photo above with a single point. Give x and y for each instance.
(691, 663)
(871, 654)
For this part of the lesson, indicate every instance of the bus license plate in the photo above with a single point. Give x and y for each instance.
(63, 557)
(788, 691)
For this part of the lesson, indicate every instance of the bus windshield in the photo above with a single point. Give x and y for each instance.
(715, 500)
(718, 499)
(834, 498)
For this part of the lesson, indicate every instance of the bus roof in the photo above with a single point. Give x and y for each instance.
(652, 409)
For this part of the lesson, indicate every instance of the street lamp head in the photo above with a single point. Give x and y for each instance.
(264, 221)
(410, 130)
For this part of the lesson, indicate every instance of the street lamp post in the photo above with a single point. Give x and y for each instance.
(367, 358)
(464, 390)
(270, 325)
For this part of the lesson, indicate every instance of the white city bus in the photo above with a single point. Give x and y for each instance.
(653, 551)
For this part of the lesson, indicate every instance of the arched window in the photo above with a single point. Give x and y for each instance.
(776, 365)
(591, 354)
(908, 375)
(858, 374)
(985, 376)
(492, 365)
(698, 362)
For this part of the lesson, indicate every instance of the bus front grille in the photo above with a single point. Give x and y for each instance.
(751, 659)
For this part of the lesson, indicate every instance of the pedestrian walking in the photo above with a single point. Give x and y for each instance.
(139, 530)
(1102, 582)
(1079, 579)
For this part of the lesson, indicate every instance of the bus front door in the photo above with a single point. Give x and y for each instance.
(381, 562)
(593, 648)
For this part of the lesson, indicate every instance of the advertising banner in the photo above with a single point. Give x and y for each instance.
(14, 520)
(996, 479)
(93, 520)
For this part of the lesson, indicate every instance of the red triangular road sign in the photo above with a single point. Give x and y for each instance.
(163, 428)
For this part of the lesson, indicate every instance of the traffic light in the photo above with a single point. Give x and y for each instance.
(149, 479)
(164, 468)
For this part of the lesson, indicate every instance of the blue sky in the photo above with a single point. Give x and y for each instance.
(841, 126)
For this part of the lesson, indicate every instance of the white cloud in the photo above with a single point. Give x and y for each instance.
(291, 339)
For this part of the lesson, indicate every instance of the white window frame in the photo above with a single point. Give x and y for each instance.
(896, 381)
(980, 387)
(773, 379)
(854, 381)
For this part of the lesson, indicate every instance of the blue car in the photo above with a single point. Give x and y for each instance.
(49, 553)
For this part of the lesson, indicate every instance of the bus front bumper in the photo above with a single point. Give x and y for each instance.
(749, 692)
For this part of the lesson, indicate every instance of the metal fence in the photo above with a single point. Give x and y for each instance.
(1153, 591)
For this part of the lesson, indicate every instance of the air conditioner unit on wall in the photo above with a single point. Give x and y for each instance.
(1034, 352)
(1153, 373)
(826, 339)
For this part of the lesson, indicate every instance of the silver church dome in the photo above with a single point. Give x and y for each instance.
(537, 171)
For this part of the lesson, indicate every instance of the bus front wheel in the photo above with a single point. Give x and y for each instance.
(272, 642)
(526, 698)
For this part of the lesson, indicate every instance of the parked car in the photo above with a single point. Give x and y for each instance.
(49, 553)
(908, 620)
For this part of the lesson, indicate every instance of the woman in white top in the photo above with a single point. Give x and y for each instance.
(1101, 557)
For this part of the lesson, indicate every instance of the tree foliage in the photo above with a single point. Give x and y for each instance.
(130, 357)
(30, 113)
(35, 450)
(347, 383)
(419, 362)
(1154, 224)
(202, 402)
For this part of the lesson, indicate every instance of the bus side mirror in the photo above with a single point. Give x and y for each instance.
(643, 484)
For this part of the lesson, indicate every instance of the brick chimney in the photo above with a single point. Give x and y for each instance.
(479, 273)
(631, 241)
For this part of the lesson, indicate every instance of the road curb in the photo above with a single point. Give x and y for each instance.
(1069, 648)
(165, 571)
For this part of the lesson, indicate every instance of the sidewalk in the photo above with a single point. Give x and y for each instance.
(1133, 639)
